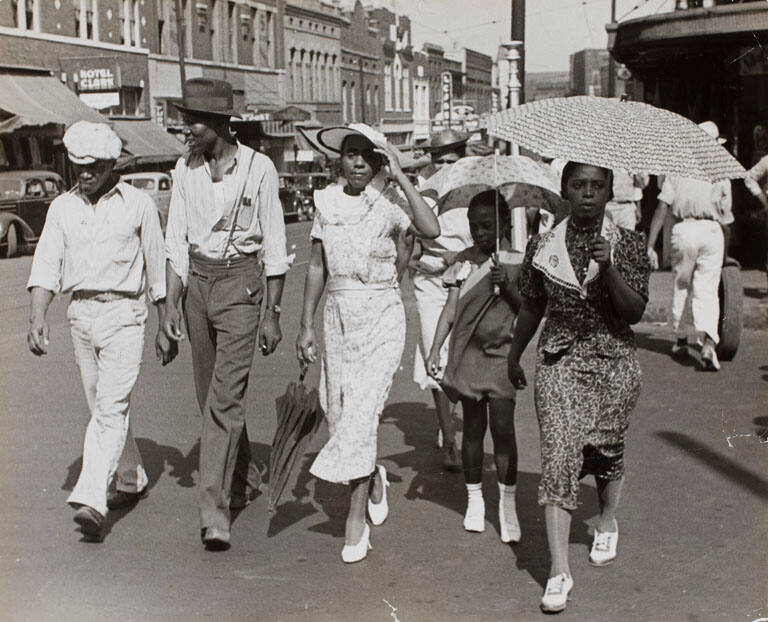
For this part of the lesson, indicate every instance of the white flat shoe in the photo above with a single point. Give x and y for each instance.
(474, 519)
(557, 593)
(352, 553)
(379, 511)
(604, 546)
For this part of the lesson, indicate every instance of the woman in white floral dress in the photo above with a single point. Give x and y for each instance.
(357, 231)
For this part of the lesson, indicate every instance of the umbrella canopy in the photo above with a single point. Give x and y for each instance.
(298, 417)
(520, 180)
(611, 133)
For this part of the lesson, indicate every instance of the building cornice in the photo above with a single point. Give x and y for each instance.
(215, 63)
(45, 36)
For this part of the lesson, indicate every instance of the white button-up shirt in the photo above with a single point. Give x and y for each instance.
(693, 198)
(201, 213)
(115, 245)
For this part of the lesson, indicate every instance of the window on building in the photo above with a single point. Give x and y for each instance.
(311, 76)
(376, 114)
(26, 14)
(265, 39)
(161, 44)
(353, 102)
(130, 103)
(398, 81)
(406, 89)
(387, 86)
(344, 103)
(129, 22)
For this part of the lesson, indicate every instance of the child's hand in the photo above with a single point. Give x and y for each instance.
(499, 276)
(433, 366)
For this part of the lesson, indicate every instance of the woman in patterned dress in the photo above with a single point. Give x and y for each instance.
(591, 277)
(355, 239)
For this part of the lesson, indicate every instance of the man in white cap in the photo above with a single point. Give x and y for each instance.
(699, 209)
(102, 242)
(225, 237)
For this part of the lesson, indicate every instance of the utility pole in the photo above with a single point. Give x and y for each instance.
(180, 38)
(611, 62)
(517, 33)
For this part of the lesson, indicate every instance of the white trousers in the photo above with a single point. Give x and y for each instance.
(697, 258)
(431, 297)
(108, 339)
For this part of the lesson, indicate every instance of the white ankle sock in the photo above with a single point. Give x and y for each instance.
(474, 519)
(508, 523)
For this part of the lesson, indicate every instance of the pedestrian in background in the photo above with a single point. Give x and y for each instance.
(102, 242)
(591, 279)
(430, 260)
(479, 318)
(699, 209)
(623, 210)
(225, 234)
(756, 182)
(354, 250)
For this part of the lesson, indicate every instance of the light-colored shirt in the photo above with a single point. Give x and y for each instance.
(201, 212)
(115, 245)
(628, 187)
(693, 198)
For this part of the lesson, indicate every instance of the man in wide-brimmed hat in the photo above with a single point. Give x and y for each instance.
(101, 241)
(430, 260)
(699, 209)
(225, 234)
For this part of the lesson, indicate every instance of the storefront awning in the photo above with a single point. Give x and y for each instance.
(146, 142)
(35, 100)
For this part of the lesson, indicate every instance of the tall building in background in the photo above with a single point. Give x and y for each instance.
(361, 69)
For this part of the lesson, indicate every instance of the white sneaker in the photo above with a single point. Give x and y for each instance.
(509, 526)
(557, 593)
(474, 519)
(604, 547)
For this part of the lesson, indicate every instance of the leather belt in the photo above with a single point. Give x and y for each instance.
(97, 296)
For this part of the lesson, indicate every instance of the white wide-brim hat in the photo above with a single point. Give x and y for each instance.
(87, 142)
(710, 127)
(333, 137)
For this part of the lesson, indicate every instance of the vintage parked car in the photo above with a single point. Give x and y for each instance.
(156, 185)
(24, 200)
(296, 190)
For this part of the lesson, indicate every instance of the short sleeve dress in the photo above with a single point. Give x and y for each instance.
(363, 321)
(587, 377)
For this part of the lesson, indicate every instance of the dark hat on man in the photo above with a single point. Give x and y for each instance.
(446, 140)
(208, 96)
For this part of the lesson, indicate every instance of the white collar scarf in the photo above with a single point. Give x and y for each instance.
(552, 257)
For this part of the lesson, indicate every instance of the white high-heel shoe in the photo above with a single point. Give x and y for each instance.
(352, 553)
(379, 511)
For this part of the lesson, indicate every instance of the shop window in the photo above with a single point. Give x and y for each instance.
(130, 103)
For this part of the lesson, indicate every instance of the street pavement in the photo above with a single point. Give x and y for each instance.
(692, 520)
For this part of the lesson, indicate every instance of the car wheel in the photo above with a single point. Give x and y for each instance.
(12, 242)
(731, 310)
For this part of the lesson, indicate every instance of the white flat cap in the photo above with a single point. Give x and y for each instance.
(87, 142)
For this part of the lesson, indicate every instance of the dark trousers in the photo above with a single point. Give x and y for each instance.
(221, 308)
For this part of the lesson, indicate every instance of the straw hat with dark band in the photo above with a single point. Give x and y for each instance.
(208, 96)
(333, 137)
(445, 140)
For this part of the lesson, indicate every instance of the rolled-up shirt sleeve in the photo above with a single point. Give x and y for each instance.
(49, 254)
(276, 261)
(153, 248)
(176, 243)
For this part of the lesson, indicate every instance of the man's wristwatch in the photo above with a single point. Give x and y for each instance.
(275, 309)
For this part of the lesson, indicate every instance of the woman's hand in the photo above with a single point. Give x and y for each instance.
(499, 276)
(305, 346)
(600, 251)
(653, 258)
(393, 159)
(433, 365)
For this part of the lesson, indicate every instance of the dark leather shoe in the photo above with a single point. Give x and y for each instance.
(90, 521)
(215, 538)
(117, 499)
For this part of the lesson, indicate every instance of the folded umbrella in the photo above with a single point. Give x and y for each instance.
(520, 180)
(298, 417)
(616, 134)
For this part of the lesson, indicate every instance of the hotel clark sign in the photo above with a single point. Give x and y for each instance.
(96, 74)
